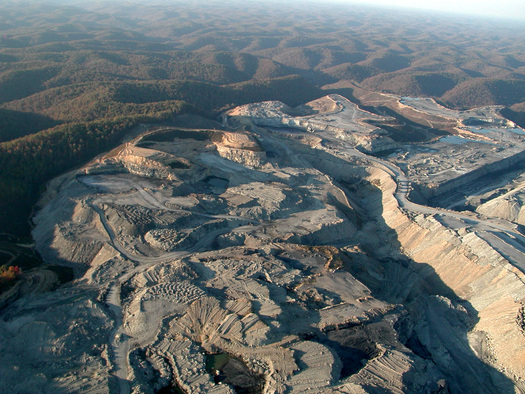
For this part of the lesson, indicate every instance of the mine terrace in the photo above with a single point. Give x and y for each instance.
(285, 250)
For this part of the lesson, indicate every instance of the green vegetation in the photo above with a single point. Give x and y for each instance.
(14, 124)
(28, 162)
(170, 135)
(483, 91)
(9, 272)
(72, 83)
(516, 113)
(95, 116)
(176, 164)
(8, 276)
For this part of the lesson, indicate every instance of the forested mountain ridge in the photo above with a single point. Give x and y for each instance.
(99, 69)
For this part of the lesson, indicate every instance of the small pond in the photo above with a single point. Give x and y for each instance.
(233, 371)
(171, 389)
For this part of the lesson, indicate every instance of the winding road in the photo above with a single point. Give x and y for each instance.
(120, 343)
(501, 234)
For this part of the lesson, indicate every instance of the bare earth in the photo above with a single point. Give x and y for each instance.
(290, 244)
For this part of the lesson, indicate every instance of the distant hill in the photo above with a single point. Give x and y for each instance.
(351, 72)
(484, 91)
(97, 69)
(16, 124)
(412, 84)
(99, 100)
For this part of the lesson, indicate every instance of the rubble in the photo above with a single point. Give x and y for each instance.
(298, 262)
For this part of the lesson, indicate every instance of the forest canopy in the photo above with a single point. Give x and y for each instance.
(76, 77)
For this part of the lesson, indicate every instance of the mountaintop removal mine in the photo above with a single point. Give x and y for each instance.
(325, 248)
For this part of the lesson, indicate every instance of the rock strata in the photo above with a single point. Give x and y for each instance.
(264, 259)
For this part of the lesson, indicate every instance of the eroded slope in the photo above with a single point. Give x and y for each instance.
(263, 259)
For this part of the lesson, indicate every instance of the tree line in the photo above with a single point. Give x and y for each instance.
(28, 162)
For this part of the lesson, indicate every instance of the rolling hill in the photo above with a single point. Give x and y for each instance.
(113, 65)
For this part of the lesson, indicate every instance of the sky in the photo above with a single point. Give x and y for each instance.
(511, 9)
(496, 9)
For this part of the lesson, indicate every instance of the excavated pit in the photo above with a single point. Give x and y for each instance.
(226, 369)
(271, 261)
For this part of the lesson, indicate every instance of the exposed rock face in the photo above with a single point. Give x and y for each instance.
(482, 143)
(474, 271)
(340, 116)
(242, 156)
(471, 176)
(59, 240)
(241, 148)
(147, 163)
(510, 205)
(266, 261)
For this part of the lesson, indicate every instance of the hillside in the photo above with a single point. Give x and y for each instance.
(78, 63)
(260, 197)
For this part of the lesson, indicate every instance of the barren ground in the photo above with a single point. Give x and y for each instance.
(281, 255)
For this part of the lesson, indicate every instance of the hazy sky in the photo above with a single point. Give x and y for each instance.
(514, 9)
